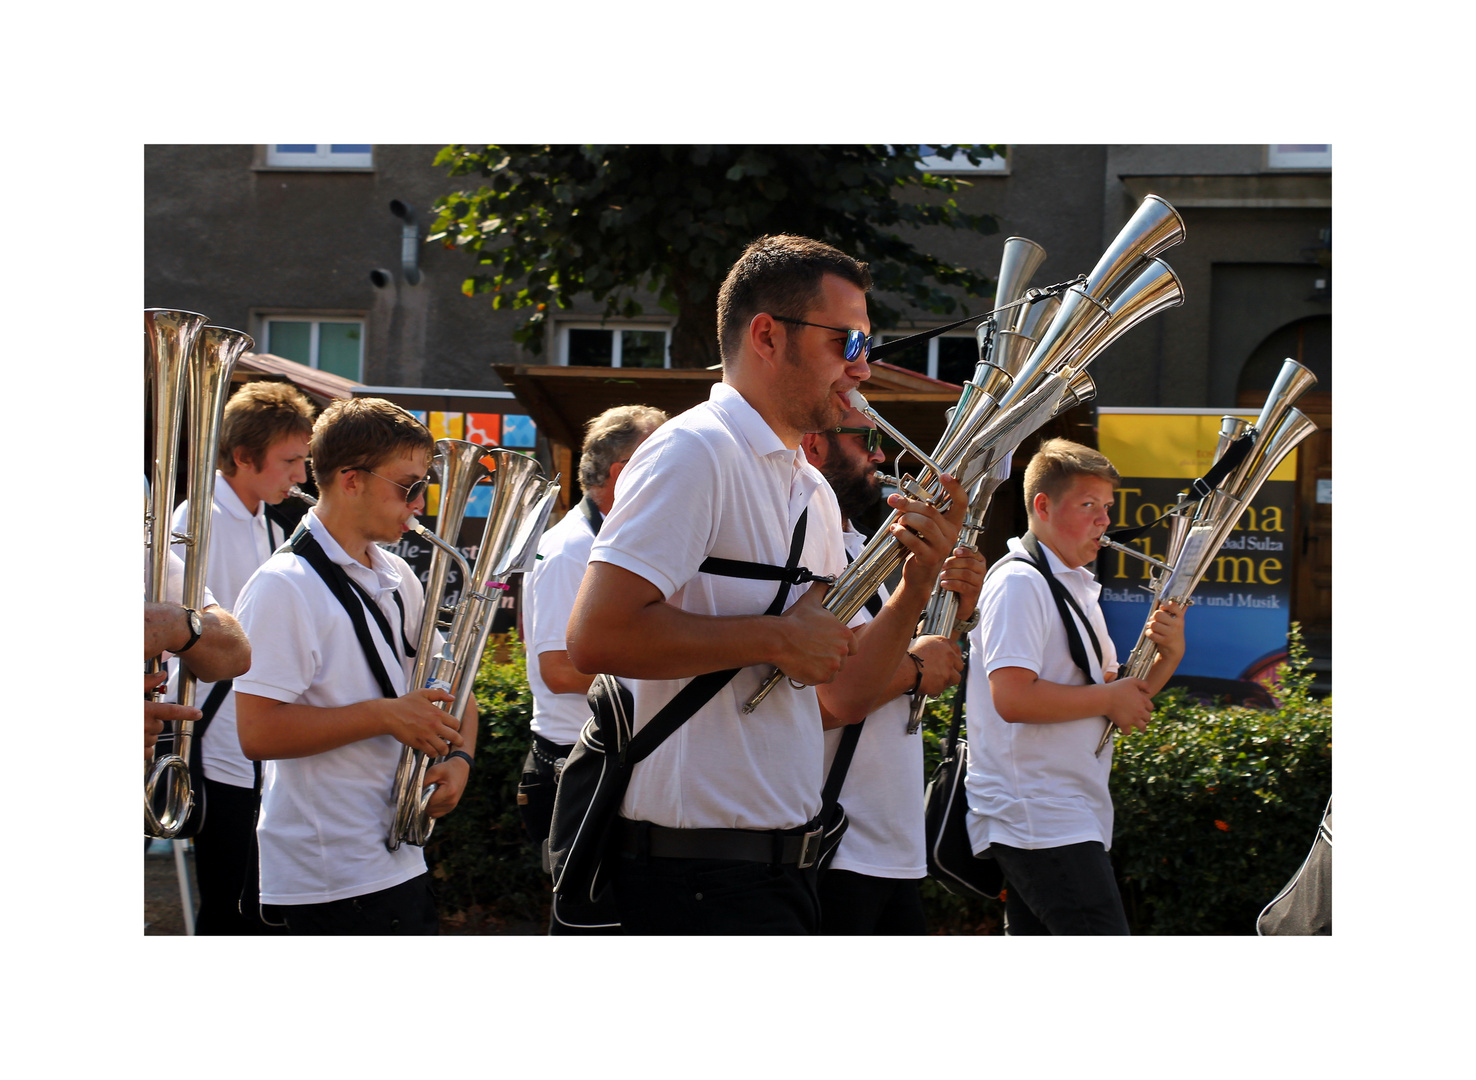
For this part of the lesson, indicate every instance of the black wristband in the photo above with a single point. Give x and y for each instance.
(917, 685)
(463, 755)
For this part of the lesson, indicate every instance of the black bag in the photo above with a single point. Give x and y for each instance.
(951, 859)
(595, 775)
(1304, 905)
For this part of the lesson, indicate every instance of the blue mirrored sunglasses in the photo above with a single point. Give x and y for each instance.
(858, 345)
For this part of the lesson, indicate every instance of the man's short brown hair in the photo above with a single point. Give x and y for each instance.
(364, 432)
(613, 435)
(780, 275)
(1057, 464)
(256, 416)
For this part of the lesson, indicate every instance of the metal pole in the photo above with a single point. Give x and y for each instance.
(182, 871)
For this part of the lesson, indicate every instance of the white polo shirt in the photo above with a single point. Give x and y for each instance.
(563, 552)
(1035, 785)
(883, 792)
(325, 818)
(240, 541)
(717, 481)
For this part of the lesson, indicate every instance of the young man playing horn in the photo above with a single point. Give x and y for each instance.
(711, 830)
(312, 706)
(263, 452)
(871, 886)
(560, 708)
(1038, 798)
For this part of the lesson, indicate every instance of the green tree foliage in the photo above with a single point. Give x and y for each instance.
(548, 223)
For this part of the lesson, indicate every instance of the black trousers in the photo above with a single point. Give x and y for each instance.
(852, 903)
(225, 864)
(714, 896)
(406, 908)
(1068, 890)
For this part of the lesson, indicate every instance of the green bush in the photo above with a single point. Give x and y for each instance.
(487, 873)
(1217, 806)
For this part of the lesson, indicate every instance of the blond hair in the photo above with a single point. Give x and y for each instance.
(1057, 463)
(256, 416)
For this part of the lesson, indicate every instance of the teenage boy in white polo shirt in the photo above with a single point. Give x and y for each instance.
(560, 707)
(1038, 796)
(263, 452)
(872, 884)
(312, 708)
(709, 824)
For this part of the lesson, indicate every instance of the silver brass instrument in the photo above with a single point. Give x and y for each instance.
(521, 503)
(1003, 348)
(1199, 527)
(996, 414)
(187, 373)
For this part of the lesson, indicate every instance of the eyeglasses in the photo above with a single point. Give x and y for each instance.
(858, 345)
(413, 492)
(872, 437)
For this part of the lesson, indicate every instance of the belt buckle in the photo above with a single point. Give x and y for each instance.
(810, 848)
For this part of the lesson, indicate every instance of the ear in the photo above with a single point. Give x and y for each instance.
(766, 337)
(811, 444)
(615, 470)
(242, 459)
(1042, 506)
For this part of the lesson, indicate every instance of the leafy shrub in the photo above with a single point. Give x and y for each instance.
(1217, 806)
(485, 869)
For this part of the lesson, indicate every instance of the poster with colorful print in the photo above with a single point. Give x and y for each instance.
(1236, 627)
(518, 431)
(484, 429)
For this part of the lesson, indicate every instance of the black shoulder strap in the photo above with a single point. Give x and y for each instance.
(700, 690)
(341, 586)
(1064, 600)
(839, 766)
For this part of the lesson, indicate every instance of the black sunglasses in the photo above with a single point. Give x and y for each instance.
(871, 440)
(413, 492)
(857, 343)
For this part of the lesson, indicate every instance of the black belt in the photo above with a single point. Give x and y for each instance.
(551, 753)
(797, 847)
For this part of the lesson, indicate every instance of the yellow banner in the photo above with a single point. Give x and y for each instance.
(1178, 447)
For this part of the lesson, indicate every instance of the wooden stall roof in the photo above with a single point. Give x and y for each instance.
(562, 399)
(322, 386)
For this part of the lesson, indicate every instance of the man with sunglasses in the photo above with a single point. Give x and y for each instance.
(314, 706)
(714, 834)
(871, 886)
(263, 451)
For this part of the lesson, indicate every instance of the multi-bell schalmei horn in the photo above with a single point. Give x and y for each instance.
(1200, 529)
(1127, 285)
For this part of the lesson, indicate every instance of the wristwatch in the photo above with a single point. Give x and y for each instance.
(197, 627)
(963, 626)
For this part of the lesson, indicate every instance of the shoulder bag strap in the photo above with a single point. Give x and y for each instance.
(339, 584)
(700, 690)
(1065, 603)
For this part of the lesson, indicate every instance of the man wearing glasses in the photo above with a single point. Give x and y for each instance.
(263, 453)
(327, 720)
(713, 830)
(872, 884)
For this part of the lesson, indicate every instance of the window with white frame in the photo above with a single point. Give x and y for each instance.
(333, 343)
(950, 357)
(596, 344)
(321, 155)
(1299, 156)
(932, 162)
